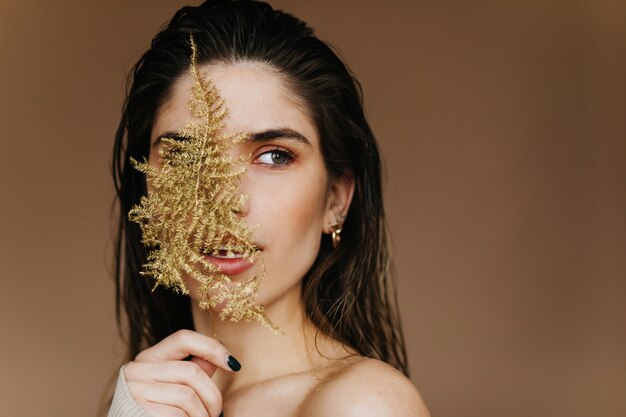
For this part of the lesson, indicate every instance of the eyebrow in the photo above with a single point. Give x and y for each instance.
(263, 136)
(278, 133)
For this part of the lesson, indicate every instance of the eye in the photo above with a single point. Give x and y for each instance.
(275, 158)
(169, 138)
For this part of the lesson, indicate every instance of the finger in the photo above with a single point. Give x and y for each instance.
(179, 372)
(183, 343)
(173, 395)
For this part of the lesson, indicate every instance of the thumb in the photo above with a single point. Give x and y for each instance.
(205, 365)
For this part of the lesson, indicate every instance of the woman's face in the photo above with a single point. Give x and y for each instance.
(290, 200)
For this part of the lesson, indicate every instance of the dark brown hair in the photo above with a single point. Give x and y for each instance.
(348, 291)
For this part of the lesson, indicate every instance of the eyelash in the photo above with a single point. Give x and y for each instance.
(290, 157)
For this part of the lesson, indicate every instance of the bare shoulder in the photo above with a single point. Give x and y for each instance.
(366, 387)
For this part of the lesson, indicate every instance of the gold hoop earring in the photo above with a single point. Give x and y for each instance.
(335, 230)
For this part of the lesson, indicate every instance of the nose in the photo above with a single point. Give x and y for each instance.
(244, 196)
(236, 156)
(242, 209)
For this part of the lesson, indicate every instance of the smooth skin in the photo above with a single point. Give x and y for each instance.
(293, 202)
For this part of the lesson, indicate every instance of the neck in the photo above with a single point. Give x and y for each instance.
(264, 355)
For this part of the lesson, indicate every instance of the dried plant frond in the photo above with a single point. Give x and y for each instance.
(193, 208)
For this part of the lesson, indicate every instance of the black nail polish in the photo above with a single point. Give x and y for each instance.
(233, 363)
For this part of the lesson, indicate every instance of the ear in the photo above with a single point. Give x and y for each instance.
(338, 202)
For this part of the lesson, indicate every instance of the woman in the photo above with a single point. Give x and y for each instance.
(314, 206)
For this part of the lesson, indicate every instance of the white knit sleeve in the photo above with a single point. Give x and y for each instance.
(124, 404)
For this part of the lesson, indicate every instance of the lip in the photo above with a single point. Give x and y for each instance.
(231, 266)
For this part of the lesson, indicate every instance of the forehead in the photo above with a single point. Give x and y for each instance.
(255, 96)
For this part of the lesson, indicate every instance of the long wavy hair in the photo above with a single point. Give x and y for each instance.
(349, 291)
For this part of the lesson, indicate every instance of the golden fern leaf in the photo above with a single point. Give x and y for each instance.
(194, 204)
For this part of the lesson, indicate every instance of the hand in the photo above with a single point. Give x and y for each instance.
(164, 384)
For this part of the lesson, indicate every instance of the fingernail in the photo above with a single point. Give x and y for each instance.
(233, 363)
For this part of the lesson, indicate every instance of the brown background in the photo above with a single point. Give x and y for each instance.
(503, 127)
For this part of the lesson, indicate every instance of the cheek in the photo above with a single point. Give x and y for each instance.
(293, 242)
(294, 208)
(290, 216)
